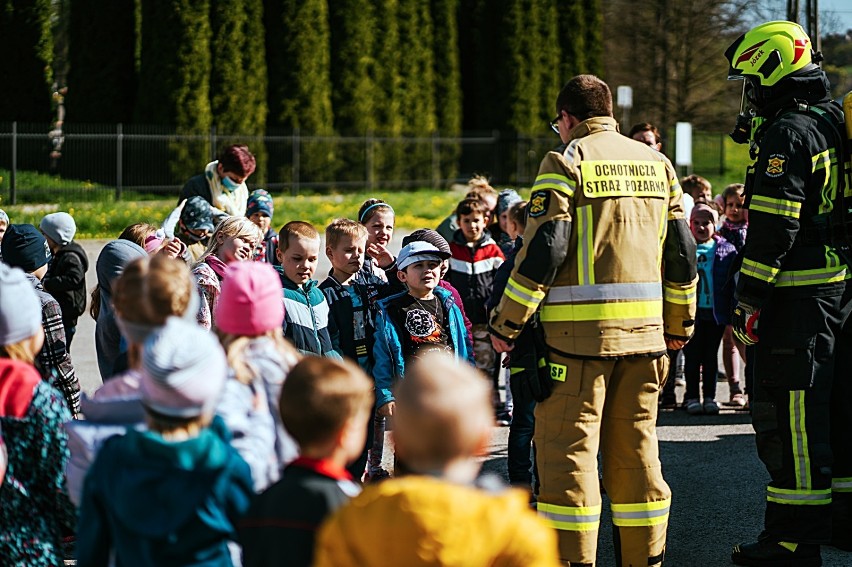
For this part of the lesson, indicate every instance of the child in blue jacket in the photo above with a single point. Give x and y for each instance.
(715, 303)
(423, 319)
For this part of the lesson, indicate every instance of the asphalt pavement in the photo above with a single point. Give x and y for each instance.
(710, 462)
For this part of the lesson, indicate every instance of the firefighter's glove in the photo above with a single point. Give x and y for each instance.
(744, 322)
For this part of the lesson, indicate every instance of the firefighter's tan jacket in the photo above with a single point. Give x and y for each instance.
(608, 257)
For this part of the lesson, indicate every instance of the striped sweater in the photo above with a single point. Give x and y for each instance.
(472, 270)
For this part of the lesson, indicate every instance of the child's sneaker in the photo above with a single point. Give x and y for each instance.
(711, 407)
(693, 407)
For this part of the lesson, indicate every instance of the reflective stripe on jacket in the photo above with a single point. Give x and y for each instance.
(599, 227)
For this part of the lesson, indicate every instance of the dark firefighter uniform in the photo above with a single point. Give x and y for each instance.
(802, 403)
(605, 221)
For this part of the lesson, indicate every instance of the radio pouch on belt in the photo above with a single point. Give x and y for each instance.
(544, 382)
(530, 372)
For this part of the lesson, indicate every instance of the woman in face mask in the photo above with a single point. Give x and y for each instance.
(223, 183)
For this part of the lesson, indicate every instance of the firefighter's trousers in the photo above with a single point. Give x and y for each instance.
(802, 416)
(609, 405)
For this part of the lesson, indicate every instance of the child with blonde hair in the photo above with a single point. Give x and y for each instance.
(438, 516)
(379, 269)
(305, 306)
(234, 240)
(170, 495)
(149, 290)
(378, 217)
(351, 312)
(34, 508)
(249, 316)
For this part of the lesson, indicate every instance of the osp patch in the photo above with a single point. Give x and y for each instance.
(539, 202)
(776, 166)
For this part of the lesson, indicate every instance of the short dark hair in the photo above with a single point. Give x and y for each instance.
(585, 96)
(471, 206)
(731, 190)
(645, 127)
(320, 395)
(239, 159)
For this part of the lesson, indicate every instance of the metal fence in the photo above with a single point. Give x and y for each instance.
(40, 163)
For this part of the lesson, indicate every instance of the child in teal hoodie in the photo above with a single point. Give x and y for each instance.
(170, 496)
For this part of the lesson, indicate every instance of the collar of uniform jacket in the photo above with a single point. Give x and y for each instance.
(592, 125)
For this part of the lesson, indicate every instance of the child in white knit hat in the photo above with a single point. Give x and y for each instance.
(170, 495)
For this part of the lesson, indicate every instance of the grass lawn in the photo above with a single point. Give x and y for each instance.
(414, 209)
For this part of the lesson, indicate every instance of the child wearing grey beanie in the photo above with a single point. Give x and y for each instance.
(172, 494)
(66, 277)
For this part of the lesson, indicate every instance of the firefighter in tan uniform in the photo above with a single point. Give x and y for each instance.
(609, 263)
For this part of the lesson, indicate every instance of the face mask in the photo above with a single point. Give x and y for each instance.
(229, 184)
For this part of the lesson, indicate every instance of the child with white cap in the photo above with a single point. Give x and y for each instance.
(171, 495)
(66, 276)
(423, 319)
(249, 316)
(34, 508)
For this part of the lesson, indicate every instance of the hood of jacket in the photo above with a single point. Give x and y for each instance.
(812, 87)
(74, 248)
(112, 260)
(158, 486)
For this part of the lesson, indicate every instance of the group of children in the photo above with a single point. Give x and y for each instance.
(719, 227)
(244, 402)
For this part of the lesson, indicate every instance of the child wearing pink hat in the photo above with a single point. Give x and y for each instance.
(249, 317)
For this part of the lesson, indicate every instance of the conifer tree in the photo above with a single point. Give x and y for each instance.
(447, 75)
(572, 40)
(238, 71)
(353, 66)
(416, 86)
(238, 76)
(27, 49)
(102, 69)
(298, 62)
(387, 157)
(594, 36)
(448, 97)
(354, 91)
(174, 77)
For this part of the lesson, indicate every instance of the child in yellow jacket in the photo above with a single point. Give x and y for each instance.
(438, 516)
